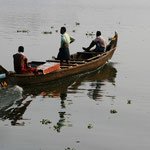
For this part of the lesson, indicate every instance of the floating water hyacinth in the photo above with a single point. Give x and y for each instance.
(47, 32)
(90, 126)
(73, 31)
(89, 34)
(56, 30)
(68, 148)
(45, 121)
(129, 102)
(77, 23)
(113, 111)
(24, 31)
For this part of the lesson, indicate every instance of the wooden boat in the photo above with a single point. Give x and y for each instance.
(80, 62)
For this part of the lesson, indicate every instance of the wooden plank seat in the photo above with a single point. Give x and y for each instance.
(94, 58)
(89, 52)
(71, 61)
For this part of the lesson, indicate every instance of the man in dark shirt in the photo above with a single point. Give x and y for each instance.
(21, 62)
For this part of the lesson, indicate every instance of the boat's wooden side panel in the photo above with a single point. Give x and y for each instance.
(61, 73)
(89, 64)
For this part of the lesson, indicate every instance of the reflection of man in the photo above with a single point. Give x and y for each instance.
(21, 62)
(16, 113)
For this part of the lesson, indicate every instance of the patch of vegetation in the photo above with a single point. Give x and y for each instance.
(68, 148)
(89, 34)
(129, 102)
(113, 111)
(45, 121)
(90, 126)
(77, 23)
(24, 31)
(47, 32)
(56, 30)
(73, 31)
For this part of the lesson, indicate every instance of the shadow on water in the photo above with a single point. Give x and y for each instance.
(97, 80)
(14, 101)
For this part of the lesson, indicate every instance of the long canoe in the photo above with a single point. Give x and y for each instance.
(80, 62)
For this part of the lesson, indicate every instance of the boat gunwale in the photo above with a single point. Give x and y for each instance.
(101, 56)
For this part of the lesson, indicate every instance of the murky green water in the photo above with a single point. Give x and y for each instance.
(107, 109)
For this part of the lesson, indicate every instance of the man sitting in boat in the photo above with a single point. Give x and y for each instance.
(21, 62)
(100, 43)
(64, 53)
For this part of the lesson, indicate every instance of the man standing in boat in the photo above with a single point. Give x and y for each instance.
(21, 62)
(64, 53)
(100, 43)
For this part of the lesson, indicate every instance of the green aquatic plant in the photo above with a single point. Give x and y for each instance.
(90, 126)
(89, 34)
(24, 31)
(47, 32)
(77, 23)
(56, 30)
(68, 148)
(45, 121)
(113, 111)
(129, 102)
(73, 31)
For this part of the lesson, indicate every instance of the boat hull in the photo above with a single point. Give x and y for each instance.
(94, 62)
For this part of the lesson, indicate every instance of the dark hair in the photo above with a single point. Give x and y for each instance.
(98, 33)
(20, 49)
(63, 28)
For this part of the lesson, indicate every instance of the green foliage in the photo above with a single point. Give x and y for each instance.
(45, 121)
(89, 34)
(47, 32)
(77, 23)
(68, 148)
(113, 111)
(129, 102)
(90, 126)
(24, 31)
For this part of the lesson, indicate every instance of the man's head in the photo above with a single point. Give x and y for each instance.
(21, 49)
(98, 33)
(63, 30)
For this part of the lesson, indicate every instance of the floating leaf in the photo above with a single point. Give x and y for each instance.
(129, 102)
(68, 148)
(77, 23)
(24, 31)
(47, 32)
(89, 34)
(113, 111)
(90, 126)
(45, 121)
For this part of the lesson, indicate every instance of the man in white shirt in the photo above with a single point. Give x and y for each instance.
(100, 43)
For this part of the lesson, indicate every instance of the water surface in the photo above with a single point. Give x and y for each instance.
(78, 108)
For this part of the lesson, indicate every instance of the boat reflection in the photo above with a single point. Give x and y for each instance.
(59, 89)
(97, 80)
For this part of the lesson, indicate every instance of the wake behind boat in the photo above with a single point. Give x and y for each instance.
(80, 62)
